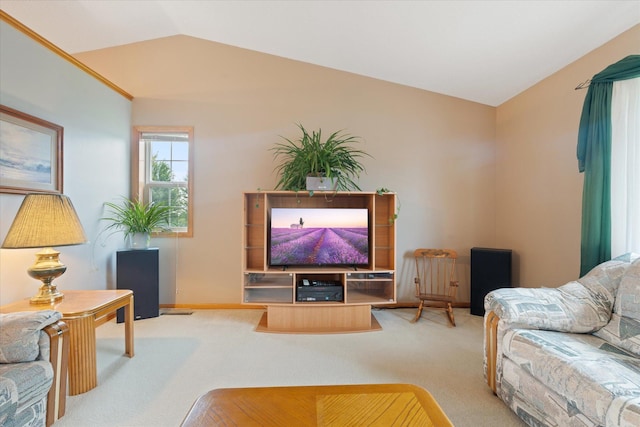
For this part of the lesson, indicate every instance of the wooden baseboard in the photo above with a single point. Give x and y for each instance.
(415, 305)
(223, 306)
(211, 306)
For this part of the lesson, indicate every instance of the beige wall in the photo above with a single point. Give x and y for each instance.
(97, 123)
(436, 152)
(466, 174)
(538, 187)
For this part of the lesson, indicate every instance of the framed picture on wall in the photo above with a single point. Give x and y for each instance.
(30, 154)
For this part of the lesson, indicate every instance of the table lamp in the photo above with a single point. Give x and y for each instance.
(43, 221)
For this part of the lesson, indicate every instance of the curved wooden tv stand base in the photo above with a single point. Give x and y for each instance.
(319, 319)
(290, 311)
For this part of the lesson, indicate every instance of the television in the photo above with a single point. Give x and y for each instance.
(318, 237)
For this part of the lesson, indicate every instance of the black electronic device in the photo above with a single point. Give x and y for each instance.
(490, 270)
(320, 291)
(138, 270)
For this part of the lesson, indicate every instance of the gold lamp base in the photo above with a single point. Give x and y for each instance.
(46, 268)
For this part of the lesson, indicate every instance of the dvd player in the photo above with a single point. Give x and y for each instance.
(319, 292)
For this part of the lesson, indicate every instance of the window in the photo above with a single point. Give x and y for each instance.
(597, 159)
(163, 172)
(625, 167)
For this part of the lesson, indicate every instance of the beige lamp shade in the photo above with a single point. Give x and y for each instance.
(45, 220)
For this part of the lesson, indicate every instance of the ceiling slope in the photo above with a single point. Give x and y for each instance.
(482, 51)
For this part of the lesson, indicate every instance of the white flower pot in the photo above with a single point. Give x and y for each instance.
(139, 241)
(321, 183)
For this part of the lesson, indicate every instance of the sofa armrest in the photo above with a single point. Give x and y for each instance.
(58, 334)
(569, 308)
(491, 321)
(20, 335)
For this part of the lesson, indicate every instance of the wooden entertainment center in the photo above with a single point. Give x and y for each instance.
(275, 287)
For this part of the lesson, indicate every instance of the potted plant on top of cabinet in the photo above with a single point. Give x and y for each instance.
(334, 162)
(137, 220)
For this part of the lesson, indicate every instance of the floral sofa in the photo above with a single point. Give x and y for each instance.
(569, 356)
(34, 349)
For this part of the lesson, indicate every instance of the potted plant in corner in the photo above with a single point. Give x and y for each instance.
(333, 164)
(137, 220)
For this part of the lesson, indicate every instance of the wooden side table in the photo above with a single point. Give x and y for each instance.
(340, 405)
(83, 312)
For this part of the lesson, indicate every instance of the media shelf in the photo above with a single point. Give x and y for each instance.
(371, 288)
(270, 288)
(275, 287)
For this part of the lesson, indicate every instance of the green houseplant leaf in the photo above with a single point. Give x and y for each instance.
(309, 155)
(134, 216)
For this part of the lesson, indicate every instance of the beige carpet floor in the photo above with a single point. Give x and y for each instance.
(179, 357)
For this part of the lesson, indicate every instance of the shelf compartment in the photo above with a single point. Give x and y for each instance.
(385, 258)
(254, 235)
(333, 278)
(371, 288)
(266, 295)
(374, 297)
(371, 276)
(254, 257)
(268, 280)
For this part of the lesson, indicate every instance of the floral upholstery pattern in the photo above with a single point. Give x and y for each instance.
(588, 371)
(20, 333)
(26, 375)
(569, 356)
(624, 328)
(580, 306)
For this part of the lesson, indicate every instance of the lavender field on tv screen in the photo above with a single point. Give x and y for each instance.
(319, 237)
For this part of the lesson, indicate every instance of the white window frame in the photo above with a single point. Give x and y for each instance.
(141, 172)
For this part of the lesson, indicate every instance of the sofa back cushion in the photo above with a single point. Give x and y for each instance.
(628, 298)
(20, 332)
(603, 282)
(624, 328)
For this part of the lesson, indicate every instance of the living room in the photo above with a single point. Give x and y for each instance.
(511, 169)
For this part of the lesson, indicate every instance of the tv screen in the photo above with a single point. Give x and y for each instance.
(319, 236)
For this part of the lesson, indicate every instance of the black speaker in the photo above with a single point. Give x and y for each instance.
(138, 270)
(490, 269)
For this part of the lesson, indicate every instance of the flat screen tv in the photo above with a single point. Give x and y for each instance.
(319, 237)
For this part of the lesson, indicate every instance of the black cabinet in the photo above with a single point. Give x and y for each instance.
(138, 270)
(490, 270)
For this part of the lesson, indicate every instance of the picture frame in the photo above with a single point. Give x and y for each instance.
(30, 154)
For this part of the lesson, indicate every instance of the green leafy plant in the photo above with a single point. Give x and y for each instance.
(134, 216)
(309, 155)
(384, 190)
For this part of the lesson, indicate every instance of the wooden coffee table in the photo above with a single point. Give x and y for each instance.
(83, 312)
(336, 405)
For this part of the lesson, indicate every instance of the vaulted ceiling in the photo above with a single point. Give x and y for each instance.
(483, 51)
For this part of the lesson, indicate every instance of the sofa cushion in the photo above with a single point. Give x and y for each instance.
(8, 400)
(624, 328)
(569, 308)
(624, 412)
(628, 297)
(603, 282)
(31, 380)
(586, 370)
(20, 332)
(584, 305)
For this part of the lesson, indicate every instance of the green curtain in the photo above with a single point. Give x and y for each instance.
(594, 159)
